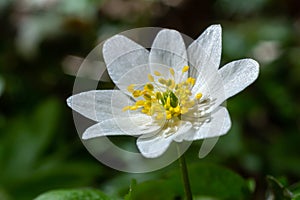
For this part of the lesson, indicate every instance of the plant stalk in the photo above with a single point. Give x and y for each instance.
(185, 178)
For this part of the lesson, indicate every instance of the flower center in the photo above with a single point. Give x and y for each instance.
(164, 98)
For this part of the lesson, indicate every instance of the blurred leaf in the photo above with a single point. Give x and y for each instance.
(295, 189)
(31, 162)
(234, 43)
(85, 9)
(31, 136)
(207, 180)
(240, 7)
(71, 174)
(251, 184)
(34, 29)
(277, 190)
(118, 185)
(4, 195)
(4, 4)
(1, 85)
(74, 194)
(283, 153)
(239, 38)
(231, 144)
(132, 187)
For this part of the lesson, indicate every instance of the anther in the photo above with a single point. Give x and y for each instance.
(172, 71)
(150, 77)
(156, 73)
(198, 96)
(185, 69)
(130, 88)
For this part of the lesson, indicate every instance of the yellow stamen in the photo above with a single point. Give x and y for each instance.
(169, 82)
(172, 84)
(137, 93)
(147, 97)
(148, 87)
(164, 98)
(177, 109)
(184, 110)
(191, 81)
(130, 88)
(156, 73)
(133, 107)
(150, 77)
(185, 69)
(126, 108)
(162, 81)
(172, 71)
(168, 115)
(198, 96)
(140, 103)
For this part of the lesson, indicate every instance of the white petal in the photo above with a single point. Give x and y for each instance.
(216, 125)
(137, 76)
(121, 55)
(211, 87)
(134, 125)
(204, 53)
(97, 104)
(168, 49)
(207, 145)
(237, 75)
(155, 145)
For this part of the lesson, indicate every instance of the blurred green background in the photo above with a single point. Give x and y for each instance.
(44, 41)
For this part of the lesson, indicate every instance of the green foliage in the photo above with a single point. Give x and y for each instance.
(132, 188)
(25, 168)
(74, 194)
(295, 189)
(277, 190)
(207, 180)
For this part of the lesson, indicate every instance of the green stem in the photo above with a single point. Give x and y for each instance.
(185, 178)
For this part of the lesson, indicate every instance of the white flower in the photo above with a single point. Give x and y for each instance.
(170, 93)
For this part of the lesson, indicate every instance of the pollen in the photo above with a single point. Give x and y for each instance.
(164, 98)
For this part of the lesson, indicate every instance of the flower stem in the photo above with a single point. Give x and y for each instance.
(185, 178)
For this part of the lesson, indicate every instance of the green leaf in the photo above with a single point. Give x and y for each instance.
(277, 190)
(132, 186)
(32, 134)
(31, 163)
(207, 180)
(74, 194)
(4, 195)
(295, 189)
